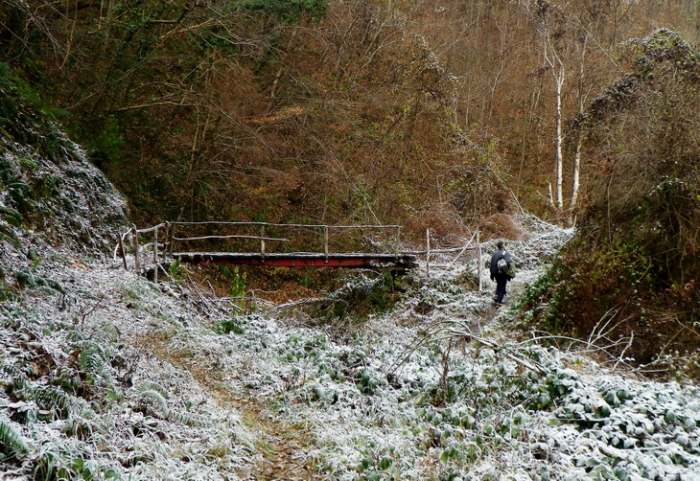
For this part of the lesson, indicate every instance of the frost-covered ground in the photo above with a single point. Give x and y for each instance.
(136, 381)
(89, 398)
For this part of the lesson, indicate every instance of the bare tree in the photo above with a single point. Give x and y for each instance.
(582, 98)
(556, 66)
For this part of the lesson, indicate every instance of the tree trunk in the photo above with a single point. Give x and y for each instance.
(577, 172)
(559, 160)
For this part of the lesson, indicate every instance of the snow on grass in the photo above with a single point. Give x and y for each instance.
(91, 400)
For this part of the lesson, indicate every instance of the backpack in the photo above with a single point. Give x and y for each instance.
(502, 266)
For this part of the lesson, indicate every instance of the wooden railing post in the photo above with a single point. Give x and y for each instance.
(155, 255)
(478, 244)
(171, 235)
(325, 241)
(262, 239)
(135, 241)
(166, 239)
(397, 240)
(427, 252)
(122, 252)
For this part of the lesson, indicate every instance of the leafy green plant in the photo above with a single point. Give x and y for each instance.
(53, 399)
(28, 163)
(27, 279)
(176, 270)
(378, 464)
(227, 326)
(11, 216)
(236, 278)
(7, 235)
(48, 186)
(53, 467)
(153, 403)
(6, 293)
(367, 382)
(12, 446)
(93, 364)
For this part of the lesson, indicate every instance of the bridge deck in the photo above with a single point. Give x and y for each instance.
(300, 259)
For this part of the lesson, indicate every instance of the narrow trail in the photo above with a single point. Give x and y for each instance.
(282, 446)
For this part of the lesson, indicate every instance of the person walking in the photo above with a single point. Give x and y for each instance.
(501, 271)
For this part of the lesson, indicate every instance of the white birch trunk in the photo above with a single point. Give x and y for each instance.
(577, 172)
(556, 67)
(559, 160)
(579, 144)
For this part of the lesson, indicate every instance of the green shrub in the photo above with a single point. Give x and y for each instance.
(176, 270)
(227, 326)
(237, 280)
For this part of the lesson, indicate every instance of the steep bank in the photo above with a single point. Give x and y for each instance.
(634, 262)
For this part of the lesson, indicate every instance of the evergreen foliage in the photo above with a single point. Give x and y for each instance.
(12, 447)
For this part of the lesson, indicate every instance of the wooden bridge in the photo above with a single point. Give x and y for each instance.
(247, 243)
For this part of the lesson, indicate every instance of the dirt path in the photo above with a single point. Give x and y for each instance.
(282, 446)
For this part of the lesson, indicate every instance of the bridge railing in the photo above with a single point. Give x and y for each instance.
(286, 237)
(157, 247)
(166, 236)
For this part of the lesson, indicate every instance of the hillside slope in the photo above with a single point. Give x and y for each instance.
(634, 260)
(78, 398)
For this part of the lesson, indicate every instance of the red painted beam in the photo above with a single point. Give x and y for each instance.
(348, 261)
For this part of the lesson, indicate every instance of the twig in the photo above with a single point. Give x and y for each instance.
(84, 316)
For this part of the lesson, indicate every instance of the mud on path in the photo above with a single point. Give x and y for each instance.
(282, 446)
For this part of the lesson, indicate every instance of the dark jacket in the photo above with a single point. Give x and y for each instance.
(498, 255)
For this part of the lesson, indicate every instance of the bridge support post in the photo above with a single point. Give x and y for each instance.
(397, 240)
(166, 240)
(262, 240)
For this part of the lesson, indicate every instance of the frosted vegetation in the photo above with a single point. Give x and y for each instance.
(104, 375)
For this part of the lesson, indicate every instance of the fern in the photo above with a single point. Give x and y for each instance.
(93, 364)
(68, 379)
(153, 403)
(148, 386)
(12, 446)
(185, 419)
(51, 398)
(17, 379)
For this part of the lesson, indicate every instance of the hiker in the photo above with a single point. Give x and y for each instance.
(501, 271)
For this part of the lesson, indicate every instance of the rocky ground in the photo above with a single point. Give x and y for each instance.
(105, 375)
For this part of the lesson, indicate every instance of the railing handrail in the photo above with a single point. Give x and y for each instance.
(221, 237)
(170, 238)
(262, 238)
(275, 224)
